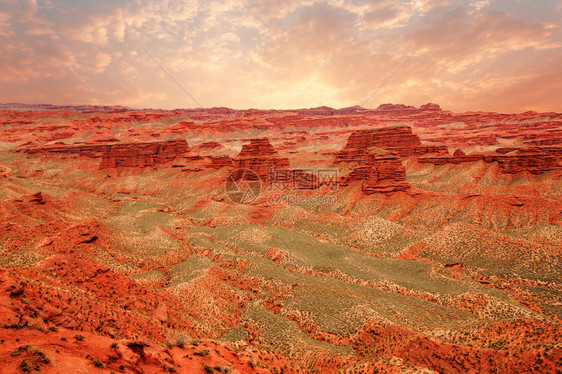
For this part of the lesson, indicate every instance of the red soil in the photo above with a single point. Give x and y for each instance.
(486, 216)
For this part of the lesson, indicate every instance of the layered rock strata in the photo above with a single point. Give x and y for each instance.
(115, 155)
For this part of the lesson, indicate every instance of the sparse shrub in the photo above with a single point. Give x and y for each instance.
(13, 326)
(79, 337)
(179, 341)
(114, 345)
(207, 368)
(222, 369)
(203, 353)
(41, 357)
(24, 366)
(98, 363)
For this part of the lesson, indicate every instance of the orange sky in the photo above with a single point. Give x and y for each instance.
(487, 55)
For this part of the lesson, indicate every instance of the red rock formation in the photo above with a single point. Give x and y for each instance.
(210, 145)
(221, 162)
(122, 154)
(283, 120)
(398, 139)
(395, 110)
(459, 153)
(257, 148)
(260, 157)
(531, 160)
(142, 155)
(319, 111)
(432, 107)
(382, 173)
(426, 149)
(511, 160)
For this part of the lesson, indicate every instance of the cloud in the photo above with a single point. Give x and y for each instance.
(534, 90)
(478, 5)
(387, 14)
(426, 6)
(459, 42)
(294, 53)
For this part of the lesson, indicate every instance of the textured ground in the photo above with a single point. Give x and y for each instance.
(132, 258)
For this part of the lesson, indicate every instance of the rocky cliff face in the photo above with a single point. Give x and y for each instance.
(396, 110)
(381, 173)
(377, 156)
(533, 160)
(260, 147)
(398, 139)
(142, 155)
(260, 157)
(136, 155)
(401, 140)
(220, 162)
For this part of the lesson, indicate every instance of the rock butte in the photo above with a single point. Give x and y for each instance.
(261, 157)
(379, 173)
(398, 139)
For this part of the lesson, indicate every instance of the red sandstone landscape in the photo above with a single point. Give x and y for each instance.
(122, 249)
